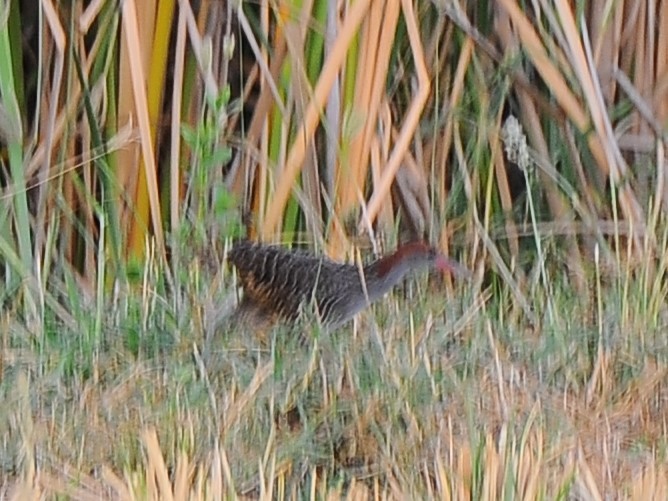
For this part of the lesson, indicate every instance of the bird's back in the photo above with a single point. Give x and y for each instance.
(282, 281)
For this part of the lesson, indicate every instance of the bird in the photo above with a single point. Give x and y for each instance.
(278, 283)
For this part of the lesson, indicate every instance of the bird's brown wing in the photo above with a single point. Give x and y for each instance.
(252, 262)
(281, 281)
(275, 278)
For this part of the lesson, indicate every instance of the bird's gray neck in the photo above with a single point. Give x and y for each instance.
(382, 275)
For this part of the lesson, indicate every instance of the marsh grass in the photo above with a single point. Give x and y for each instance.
(429, 394)
(542, 378)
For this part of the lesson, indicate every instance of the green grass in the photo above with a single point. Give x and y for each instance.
(428, 393)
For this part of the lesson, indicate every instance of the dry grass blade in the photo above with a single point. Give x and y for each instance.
(156, 466)
(650, 483)
(492, 465)
(649, 114)
(183, 477)
(585, 479)
(237, 408)
(117, 484)
(501, 266)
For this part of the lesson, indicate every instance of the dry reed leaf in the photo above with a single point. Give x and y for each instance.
(536, 52)
(493, 468)
(297, 151)
(112, 480)
(127, 158)
(90, 13)
(585, 478)
(138, 80)
(295, 28)
(241, 174)
(650, 483)
(645, 108)
(454, 99)
(463, 476)
(59, 38)
(660, 82)
(21, 491)
(356, 492)
(373, 64)
(260, 59)
(386, 216)
(606, 29)
(157, 466)
(175, 128)
(183, 477)
(198, 47)
(219, 472)
(608, 159)
(442, 482)
(411, 119)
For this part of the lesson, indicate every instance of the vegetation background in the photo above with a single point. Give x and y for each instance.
(526, 138)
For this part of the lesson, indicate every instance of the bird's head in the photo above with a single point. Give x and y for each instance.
(416, 254)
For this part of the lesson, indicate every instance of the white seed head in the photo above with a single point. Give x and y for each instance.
(515, 143)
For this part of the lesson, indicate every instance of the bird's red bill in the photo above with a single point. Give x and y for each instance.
(448, 265)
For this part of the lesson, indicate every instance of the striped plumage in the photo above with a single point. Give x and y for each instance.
(279, 282)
